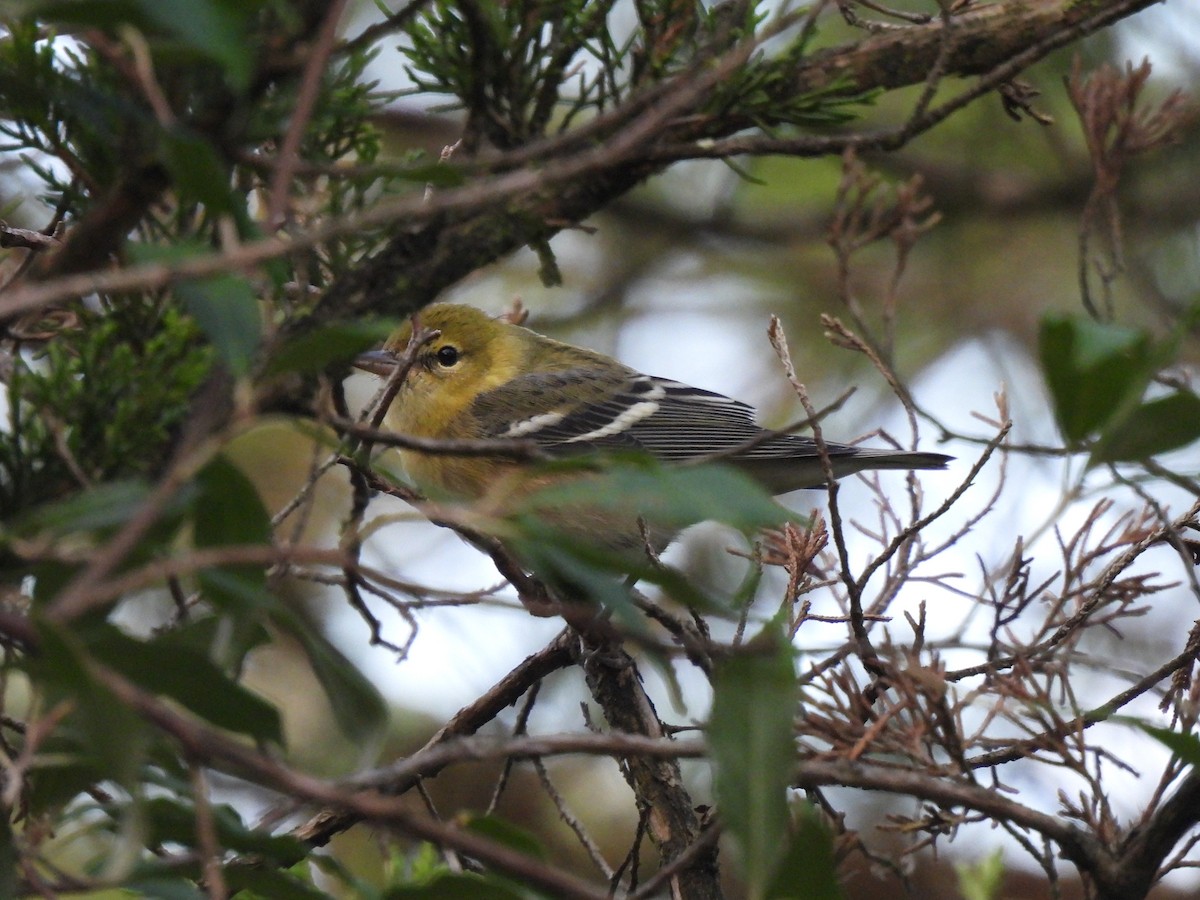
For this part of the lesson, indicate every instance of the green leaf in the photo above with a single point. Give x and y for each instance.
(335, 870)
(228, 512)
(213, 28)
(808, 867)
(424, 865)
(239, 592)
(317, 349)
(1157, 426)
(582, 531)
(226, 640)
(467, 886)
(983, 880)
(1095, 372)
(1185, 746)
(265, 882)
(508, 834)
(92, 13)
(358, 707)
(164, 887)
(216, 28)
(108, 737)
(621, 487)
(197, 170)
(172, 821)
(750, 732)
(66, 773)
(227, 312)
(169, 667)
(596, 573)
(104, 506)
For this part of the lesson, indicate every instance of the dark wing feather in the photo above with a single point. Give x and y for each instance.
(585, 409)
(692, 423)
(624, 410)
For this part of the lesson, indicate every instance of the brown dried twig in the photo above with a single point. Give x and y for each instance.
(1116, 127)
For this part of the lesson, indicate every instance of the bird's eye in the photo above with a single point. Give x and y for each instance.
(447, 356)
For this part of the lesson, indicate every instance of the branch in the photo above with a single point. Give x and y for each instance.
(433, 758)
(458, 230)
(211, 747)
(419, 264)
(674, 826)
(558, 654)
(1136, 865)
(1077, 846)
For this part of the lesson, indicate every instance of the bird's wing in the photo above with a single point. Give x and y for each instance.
(582, 409)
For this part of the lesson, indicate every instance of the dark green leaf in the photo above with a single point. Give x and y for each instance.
(228, 509)
(165, 887)
(173, 821)
(68, 771)
(227, 312)
(596, 573)
(265, 882)
(750, 731)
(169, 667)
(508, 834)
(620, 488)
(582, 533)
(238, 592)
(356, 704)
(214, 27)
(92, 13)
(197, 170)
(110, 737)
(808, 868)
(1096, 372)
(467, 886)
(228, 512)
(314, 351)
(1157, 426)
(226, 639)
(49, 579)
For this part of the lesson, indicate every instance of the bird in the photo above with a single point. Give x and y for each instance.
(482, 377)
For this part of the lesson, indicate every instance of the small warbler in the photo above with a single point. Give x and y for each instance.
(483, 377)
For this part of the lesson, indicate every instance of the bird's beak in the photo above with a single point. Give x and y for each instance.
(377, 362)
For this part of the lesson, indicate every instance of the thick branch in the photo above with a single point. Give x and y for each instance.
(983, 38)
(657, 784)
(1135, 869)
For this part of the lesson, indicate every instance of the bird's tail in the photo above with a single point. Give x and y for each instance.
(873, 458)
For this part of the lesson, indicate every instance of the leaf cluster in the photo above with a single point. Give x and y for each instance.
(85, 674)
(1100, 376)
(507, 64)
(102, 402)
